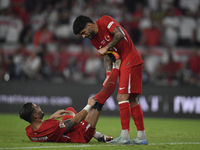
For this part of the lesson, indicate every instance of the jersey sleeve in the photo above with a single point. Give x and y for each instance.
(110, 23)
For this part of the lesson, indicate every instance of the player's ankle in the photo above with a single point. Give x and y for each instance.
(125, 134)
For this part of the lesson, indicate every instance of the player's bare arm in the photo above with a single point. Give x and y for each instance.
(76, 120)
(108, 65)
(81, 115)
(118, 36)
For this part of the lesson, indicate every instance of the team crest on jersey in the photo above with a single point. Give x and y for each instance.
(61, 125)
(107, 37)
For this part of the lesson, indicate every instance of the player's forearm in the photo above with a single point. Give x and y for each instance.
(118, 36)
(78, 118)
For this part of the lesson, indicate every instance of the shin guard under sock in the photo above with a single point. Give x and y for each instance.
(109, 87)
(125, 114)
(137, 115)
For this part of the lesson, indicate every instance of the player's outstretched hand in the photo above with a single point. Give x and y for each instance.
(103, 51)
(92, 101)
(58, 114)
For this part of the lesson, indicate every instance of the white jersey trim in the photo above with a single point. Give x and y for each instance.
(110, 24)
(129, 84)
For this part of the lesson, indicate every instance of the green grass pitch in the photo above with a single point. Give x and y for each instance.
(162, 133)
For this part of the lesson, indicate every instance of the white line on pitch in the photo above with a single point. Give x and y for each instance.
(88, 145)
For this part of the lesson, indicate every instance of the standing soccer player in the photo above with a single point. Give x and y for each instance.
(107, 35)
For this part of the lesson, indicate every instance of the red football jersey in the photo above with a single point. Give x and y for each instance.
(51, 130)
(127, 50)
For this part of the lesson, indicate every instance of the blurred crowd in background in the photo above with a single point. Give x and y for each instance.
(37, 41)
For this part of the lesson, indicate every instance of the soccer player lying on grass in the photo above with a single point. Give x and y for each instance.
(80, 128)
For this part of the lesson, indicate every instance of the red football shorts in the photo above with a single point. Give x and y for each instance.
(81, 133)
(130, 81)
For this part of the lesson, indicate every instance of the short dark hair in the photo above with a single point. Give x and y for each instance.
(26, 112)
(80, 23)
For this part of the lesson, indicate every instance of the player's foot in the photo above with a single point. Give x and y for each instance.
(105, 138)
(113, 55)
(119, 140)
(138, 141)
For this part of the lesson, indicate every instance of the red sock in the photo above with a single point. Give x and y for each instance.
(109, 87)
(137, 115)
(66, 117)
(125, 114)
(72, 109)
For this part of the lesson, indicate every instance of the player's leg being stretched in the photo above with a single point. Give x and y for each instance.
(101, 97)
(110, 84)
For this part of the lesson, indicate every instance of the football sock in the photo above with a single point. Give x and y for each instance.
(125, 134)
(125, 114)
(137, 115)
(109, 87)
(72, 109)
(66, 117)
(97, 135)
(141, 134)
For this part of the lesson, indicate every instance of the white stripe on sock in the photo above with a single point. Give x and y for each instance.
(127, 101)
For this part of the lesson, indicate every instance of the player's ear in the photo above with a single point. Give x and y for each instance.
(35, 116)
(89, 25)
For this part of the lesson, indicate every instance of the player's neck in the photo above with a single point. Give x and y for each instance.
(36, 124)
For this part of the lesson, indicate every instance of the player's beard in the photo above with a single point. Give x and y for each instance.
(92, 34)
(41, 114)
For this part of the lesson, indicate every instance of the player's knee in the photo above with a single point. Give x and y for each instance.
(133, 101)
(122, 97)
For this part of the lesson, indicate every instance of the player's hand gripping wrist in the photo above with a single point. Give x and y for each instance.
(91, 103)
